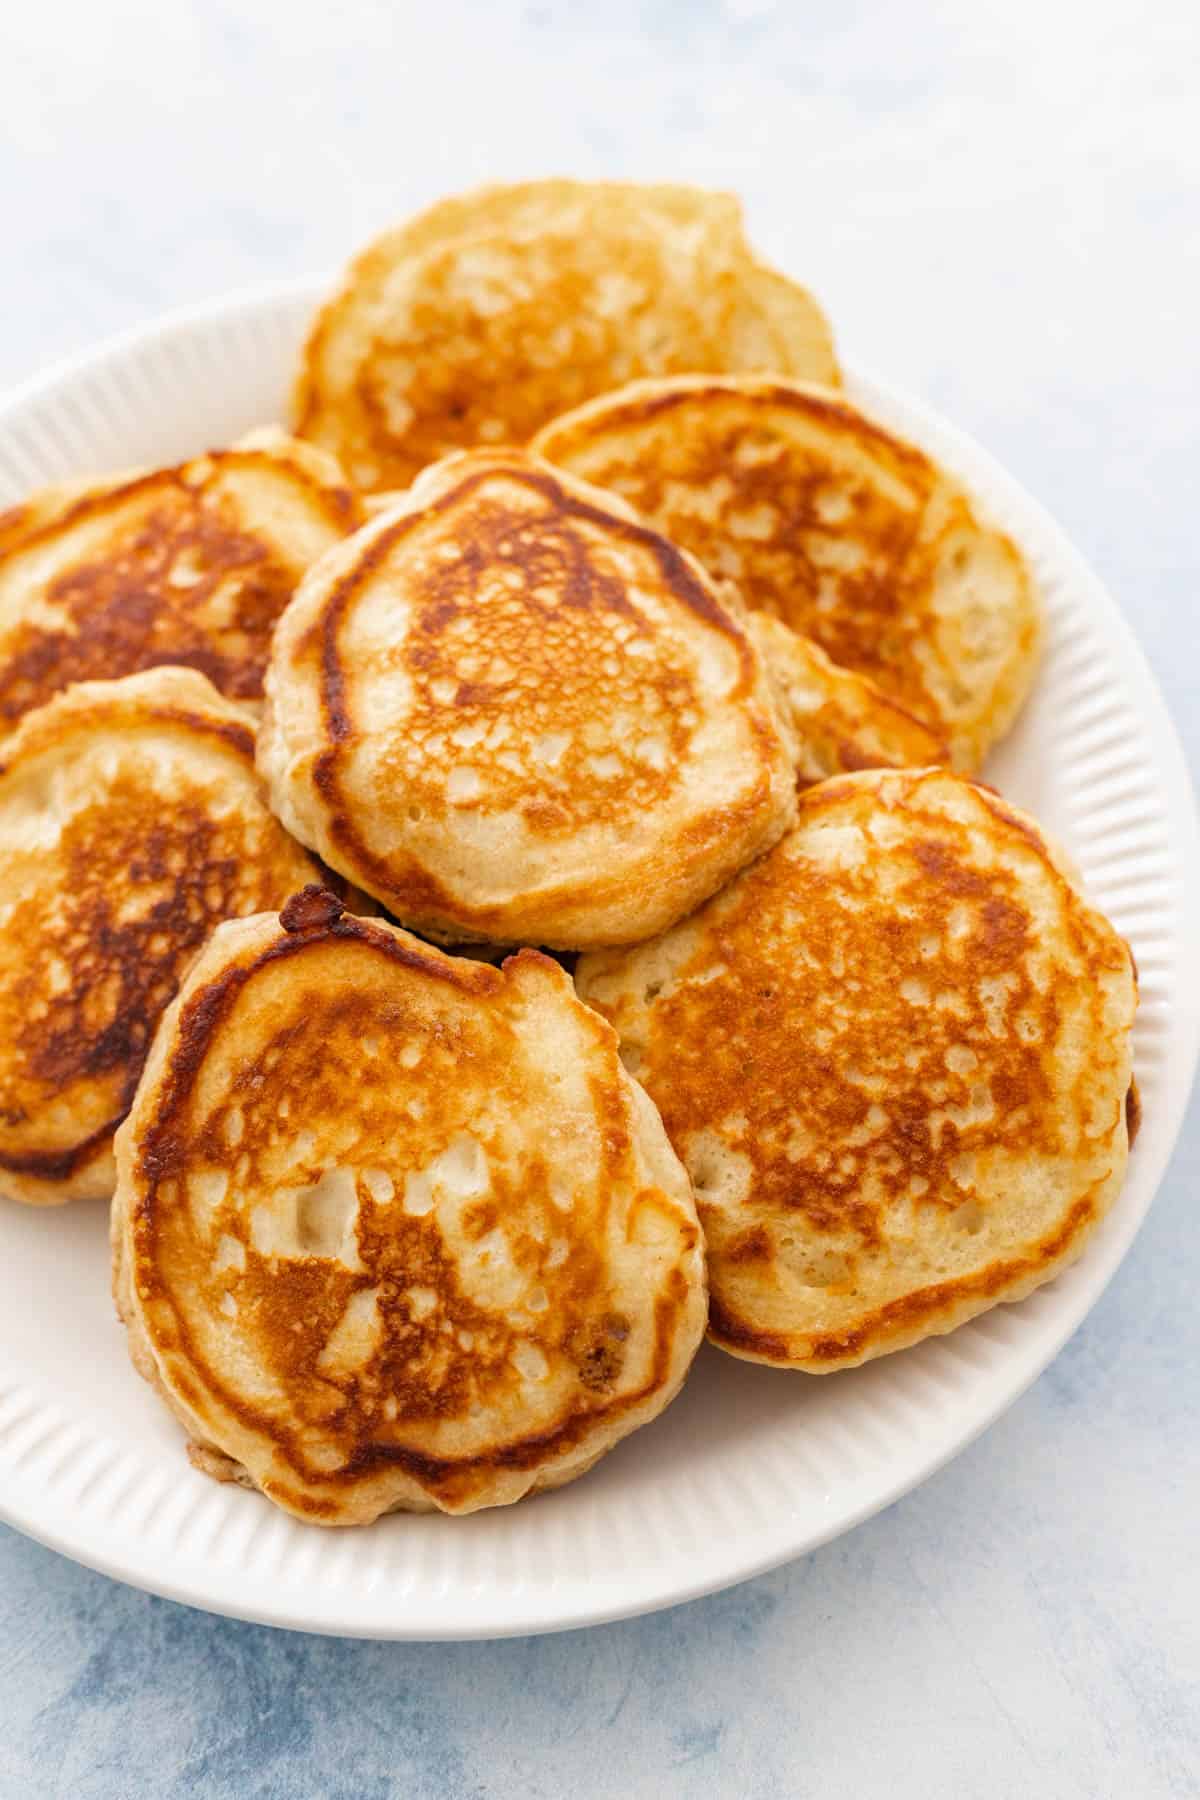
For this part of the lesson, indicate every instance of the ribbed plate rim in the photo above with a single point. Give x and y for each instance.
(40, 1443)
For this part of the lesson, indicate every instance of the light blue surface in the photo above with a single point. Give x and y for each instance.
(999, 204)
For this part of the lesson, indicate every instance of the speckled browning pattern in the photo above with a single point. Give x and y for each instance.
(131, 820)
(395, 1229)
(895, 1057)
(189, 565)
(840, 721)
(850, 536)
(485, 317)
(512, 712)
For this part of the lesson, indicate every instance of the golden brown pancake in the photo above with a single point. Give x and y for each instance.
(189, 565)
(525, 209)
(852, 537)
(895, 1058)
(489, 314)
(44, 507)
(131, 820)
(841, 721)
(394, 1230)
(514, 714)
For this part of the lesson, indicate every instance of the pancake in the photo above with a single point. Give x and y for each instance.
(44, 507)
(189, 565)
(850, 536)
(131, 820)
(895, 1058)
(523, 209)
(515, 715)
(394, 1230)
(480, 320)
(841, 721)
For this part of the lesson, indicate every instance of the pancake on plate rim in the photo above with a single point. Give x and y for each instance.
(822, 517)
(189, 565)
(894, 1056)
(131, 820)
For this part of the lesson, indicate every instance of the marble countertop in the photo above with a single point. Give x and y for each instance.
(999, 205)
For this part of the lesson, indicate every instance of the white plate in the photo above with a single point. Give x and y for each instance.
(750, 1466)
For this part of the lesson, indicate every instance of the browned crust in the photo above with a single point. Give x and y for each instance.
(939, 1306)
(60, 1165)
(206, 1009)
(341, 504)
(794, 396)
(450, 1479)
(41, 731)
(950, 1301)
(914, 743)
(450, 218)
(831, 793)
(119, 614)
(850, 633)
(51, 726)
(685, 583)
(449, 1476)
(314, 399)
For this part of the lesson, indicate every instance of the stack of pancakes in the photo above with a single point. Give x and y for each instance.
(494, 880)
